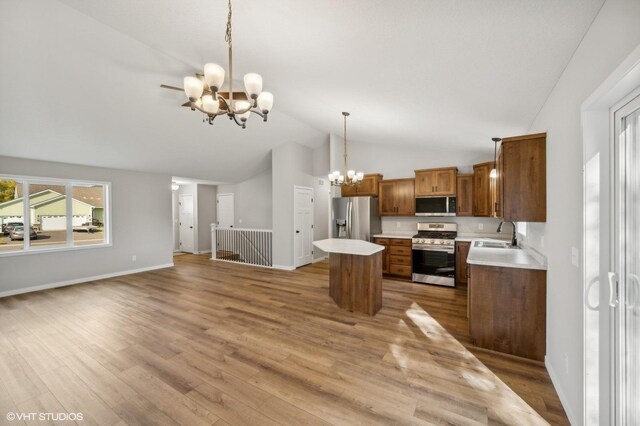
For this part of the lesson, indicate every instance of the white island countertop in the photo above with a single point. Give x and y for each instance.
(507, 258)
(347, 246)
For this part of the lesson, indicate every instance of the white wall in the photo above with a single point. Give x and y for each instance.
(252, 201)
(400, 161)
(140, 223)
(322, 195)
(613, 35)
(206, 216)
(292, 165)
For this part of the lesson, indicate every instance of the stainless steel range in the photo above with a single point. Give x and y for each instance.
(434, 259)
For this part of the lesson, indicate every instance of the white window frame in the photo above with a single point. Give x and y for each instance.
(69, 184)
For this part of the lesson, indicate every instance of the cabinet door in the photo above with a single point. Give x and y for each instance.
(482, 189)
(385, 254)
(445, 181)
(405, 197)
(349, 190)
(425, 183)
(387, 198)
(368, 186)
(497, 208)
(524, 183)
(462, 251)
(464, 199)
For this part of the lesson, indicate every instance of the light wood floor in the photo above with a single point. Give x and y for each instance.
(218, 343)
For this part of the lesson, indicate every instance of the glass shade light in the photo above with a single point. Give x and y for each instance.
(351, 174)
(210, 105)
(241, 106)
(265, 101)
(214, 75)
(193, 87)
(175, 186)
(493, 174)
(253, 84)
(360, 175)
(340, 179)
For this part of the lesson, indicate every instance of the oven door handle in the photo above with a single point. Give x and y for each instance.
(450, 251)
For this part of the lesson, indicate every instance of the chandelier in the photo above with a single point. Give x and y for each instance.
(349, 177)
(205, 96)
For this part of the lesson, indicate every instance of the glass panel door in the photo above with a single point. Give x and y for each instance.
(629, 385)
(624, 295)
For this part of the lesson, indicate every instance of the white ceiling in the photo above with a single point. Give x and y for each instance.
(443, 74)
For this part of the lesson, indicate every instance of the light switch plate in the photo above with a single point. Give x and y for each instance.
(481, 226)
(575, 257)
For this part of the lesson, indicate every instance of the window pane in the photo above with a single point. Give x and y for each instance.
(48, 213)
(88, 214)
(11, 213)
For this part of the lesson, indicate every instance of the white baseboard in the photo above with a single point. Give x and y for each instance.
(560, 391)
(202, 252)
(320, 259)
(82, 280)
(284, 267)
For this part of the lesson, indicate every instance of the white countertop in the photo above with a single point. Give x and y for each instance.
(399, 234)
(508, 258)
(347, 246)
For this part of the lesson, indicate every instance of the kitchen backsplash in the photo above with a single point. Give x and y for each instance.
(466, 225)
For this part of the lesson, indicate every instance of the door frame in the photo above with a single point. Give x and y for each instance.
(233, 205)
(293, 223)
(599, 137)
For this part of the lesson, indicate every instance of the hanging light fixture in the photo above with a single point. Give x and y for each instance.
(350, 177)
(494, 171)
(203, 91)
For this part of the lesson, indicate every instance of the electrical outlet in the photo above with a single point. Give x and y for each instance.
(239, 220)
(575, 257)
(542, 242)
(566, 364)
(133, 258)
(398, 225)
(481, 226)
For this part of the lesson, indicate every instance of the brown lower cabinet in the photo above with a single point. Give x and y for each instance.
(507, 310)
(396, 258)
(462, 251)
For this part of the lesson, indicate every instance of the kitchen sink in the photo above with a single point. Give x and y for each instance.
(494, 244)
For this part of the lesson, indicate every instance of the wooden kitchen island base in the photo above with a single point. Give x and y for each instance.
(355, 282)
(355, 273)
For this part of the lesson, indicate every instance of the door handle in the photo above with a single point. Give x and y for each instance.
(297, 232)
(586, 295)
(191, 227)
(613, 290)
(633, 302)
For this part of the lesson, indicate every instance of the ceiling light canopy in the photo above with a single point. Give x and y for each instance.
(350, 177)
(205, 95)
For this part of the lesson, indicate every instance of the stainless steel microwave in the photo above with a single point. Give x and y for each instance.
(436, 206)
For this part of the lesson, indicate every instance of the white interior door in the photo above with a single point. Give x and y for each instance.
(187, 234)
(303, 226)
(225, 213)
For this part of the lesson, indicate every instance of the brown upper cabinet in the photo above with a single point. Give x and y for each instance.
(522, 179)
(464, 200)
(483, 190)
(436, 181)
(367, 188)
(397, 197)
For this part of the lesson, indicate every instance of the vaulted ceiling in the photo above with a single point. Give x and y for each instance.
(80, 79)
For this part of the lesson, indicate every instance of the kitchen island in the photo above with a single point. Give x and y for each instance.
(355, 274)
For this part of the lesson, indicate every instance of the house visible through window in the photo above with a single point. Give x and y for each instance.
(37, 214)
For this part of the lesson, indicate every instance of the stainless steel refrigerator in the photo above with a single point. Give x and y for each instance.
(355, 218)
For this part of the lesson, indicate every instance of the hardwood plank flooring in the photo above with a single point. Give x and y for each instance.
(217, 343)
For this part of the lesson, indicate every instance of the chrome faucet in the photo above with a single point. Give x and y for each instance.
(514, 238)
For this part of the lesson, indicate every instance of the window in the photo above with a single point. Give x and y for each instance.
(40, 214)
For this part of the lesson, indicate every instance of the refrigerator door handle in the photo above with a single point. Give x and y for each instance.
(349, 218)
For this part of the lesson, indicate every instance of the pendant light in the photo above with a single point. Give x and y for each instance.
(494, 171)
(350, 177)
